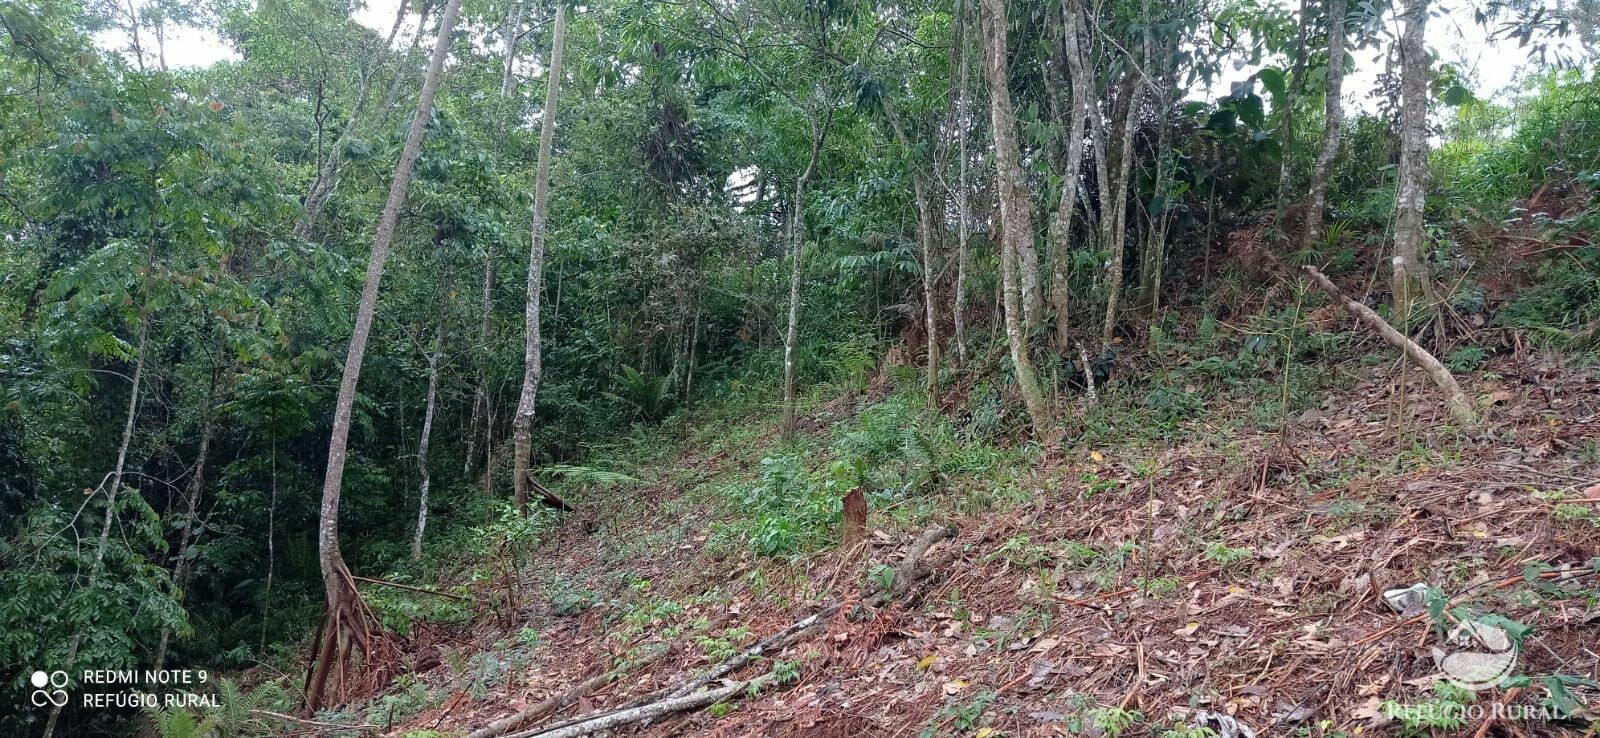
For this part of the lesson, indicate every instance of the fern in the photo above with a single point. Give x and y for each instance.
(649, 396)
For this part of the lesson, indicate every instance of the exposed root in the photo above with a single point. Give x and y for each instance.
(349, 627)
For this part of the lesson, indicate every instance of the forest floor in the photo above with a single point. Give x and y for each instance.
(1224, 576)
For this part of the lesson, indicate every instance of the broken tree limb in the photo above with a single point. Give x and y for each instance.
(1088, 373)
(1454, 399)
(559, 701)
(907, 573)
(550, 497)
(653, 709)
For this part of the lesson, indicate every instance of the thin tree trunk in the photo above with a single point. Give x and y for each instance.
(345, 615)
(533, 366)
(963, 192)
(1061, 226)
(1115, 228)
(111, 506)
(427, 435)
(272, 533)
(797, 225)
(1014, 215)
(925, 243)
(1333, 112)
(397, 84)
(1411, 278)
(181, 568)
(326, 178)
(480, 390)
(930, 295)
(1285, 125)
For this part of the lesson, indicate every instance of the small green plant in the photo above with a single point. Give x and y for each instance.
(1181, 730)
(881, 577)
(963, 716)
(1466, 359)
(1021, 551)
(1114, 721)
(1223, 555)
(721, 709)
(786, 672)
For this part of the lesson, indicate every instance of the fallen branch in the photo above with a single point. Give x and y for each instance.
(363, 728)
(397, 585)
(559, 701)
(619, 718)
(550, 497)
(909, 571)
(1454, 399)
(1088, 373)
(912, 569)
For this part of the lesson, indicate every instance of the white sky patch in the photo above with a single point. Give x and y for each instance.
(1494, 64)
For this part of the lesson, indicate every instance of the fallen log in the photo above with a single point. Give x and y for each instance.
(689, 695)
(1454, 399)
(775, 642)
(641, 713)
(549, 496)
(559, 701)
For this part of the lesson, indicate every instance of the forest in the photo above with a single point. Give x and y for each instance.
(990, 368)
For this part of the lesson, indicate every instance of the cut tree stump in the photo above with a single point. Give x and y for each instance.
(855, 518)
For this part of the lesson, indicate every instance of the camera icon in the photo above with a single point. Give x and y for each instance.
(48, 689)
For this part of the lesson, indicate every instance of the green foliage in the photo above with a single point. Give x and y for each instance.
(1114, 721)
(648, 396)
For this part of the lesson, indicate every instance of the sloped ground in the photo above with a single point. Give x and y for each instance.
(1231, 573)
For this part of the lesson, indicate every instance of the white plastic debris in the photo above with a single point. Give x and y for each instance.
(1407, 600)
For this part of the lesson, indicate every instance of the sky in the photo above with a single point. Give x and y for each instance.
(1494, 64)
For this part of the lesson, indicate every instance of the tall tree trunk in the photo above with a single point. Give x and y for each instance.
(480, 389)
(797, 226)
(1152, 262)
(1114, 229)
(111, 505)
(532, 359)
(346, 621)
(930, 293)
(963, 191)
(1072, 163)
(1285, 124)
(1333, 113)
(429, 403)
(1014, 215)
(326, 178)
(1411, 278)
(925, 243)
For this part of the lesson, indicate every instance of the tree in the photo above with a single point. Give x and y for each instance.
(1014, 216)
(345, 626)
(961, 122)
(1333, 118)
(430, 404)
(532, 358)
(1410, 277)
